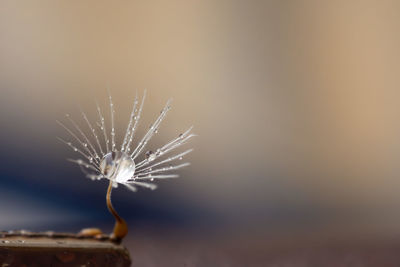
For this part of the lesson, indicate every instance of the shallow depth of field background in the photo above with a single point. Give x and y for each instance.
(296, 104)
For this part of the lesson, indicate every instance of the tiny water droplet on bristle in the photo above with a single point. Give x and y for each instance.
(152, 179)
(150, 155)
(180, 158)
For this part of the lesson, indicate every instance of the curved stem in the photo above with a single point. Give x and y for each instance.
(120, 228)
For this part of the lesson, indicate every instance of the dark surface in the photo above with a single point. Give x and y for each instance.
(31, 250)
(170, 249)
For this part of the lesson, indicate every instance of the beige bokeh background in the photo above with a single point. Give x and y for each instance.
(296, 103)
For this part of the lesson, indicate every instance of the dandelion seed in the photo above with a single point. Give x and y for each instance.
(122, 166)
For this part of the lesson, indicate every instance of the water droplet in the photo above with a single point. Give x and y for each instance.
(84, 144)
(152, 179)
(75, 149)
(117, 166)
(180, 158)
(150, 156)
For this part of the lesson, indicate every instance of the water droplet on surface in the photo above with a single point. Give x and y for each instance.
(180, 158)
(75, 149)
(84, 144)
(152, 179)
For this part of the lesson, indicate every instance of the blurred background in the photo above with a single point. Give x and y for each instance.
(296, 104)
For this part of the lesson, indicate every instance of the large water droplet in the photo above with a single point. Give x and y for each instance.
(117, 166)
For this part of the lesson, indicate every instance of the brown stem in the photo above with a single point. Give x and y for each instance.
(120, 228)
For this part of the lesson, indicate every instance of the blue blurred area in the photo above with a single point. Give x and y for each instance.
(60, 186)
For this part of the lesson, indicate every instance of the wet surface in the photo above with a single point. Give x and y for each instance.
(60, 249)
